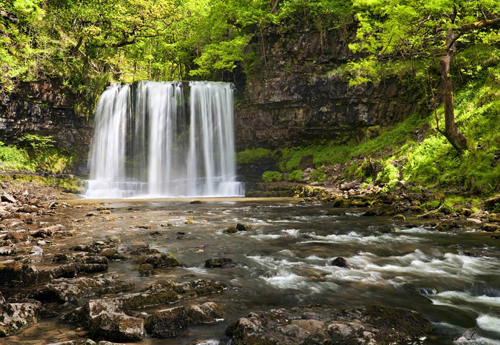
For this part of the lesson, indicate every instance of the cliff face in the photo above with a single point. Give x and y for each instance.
(291, 98)
(45, 108)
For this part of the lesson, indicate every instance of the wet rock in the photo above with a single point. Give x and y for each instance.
(490, 227)
(106, 318)
(243, 227)
(11, 272)
(145, 226)
(91, 214)
(172, 322)
(447, 225)
(469, 335)
(231, 230)
(15, 316)
(427, 291)
(387, 229)
(166, 292)
(340, 262)
(144, 251)
(112, 254)
(199, 287)
(159, 260)
(349, 185)
(78, 342)
(195, 202)
(491, 203)
(105, 211)
(146, 270)
(329, 325)
(219, 263)
(92, 264)
(64, 290)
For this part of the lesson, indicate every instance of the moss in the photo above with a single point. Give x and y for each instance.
(252, 156)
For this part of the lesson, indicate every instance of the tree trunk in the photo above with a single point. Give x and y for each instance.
(457, 139)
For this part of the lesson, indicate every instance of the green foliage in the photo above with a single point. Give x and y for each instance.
(36, 153)
(13, 158)
(272, 176)
(389, 175)
(295, 176)
(251, 156)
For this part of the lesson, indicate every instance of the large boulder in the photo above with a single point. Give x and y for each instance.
(326, 324)
(106, 318)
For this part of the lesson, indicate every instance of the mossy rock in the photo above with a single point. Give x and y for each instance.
(159, 260)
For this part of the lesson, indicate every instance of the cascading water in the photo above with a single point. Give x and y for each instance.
(146, 144)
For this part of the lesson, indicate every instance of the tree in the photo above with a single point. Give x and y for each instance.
(426, 30)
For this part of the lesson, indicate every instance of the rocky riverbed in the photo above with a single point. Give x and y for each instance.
(249, 271)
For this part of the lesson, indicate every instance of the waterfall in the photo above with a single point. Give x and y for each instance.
(146, 143)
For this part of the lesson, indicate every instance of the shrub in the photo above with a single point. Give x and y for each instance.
(272, 176)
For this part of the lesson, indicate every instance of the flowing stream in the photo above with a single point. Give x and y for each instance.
(147, 142)
(285, 261)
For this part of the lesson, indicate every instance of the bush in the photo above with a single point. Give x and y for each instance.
(295, 176)
(272, 176)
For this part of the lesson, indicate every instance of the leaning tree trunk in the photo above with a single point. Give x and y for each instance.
(457, 139)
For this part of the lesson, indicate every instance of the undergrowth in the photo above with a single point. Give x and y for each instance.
(34, 153)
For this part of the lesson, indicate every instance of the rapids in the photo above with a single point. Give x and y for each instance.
(285, 261)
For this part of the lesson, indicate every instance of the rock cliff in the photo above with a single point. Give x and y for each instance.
(291, 97)
(43, 107)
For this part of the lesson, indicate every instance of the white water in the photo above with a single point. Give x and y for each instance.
(146, 143)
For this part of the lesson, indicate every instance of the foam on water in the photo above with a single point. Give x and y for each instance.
(489, 323)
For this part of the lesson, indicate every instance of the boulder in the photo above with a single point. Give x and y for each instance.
(340, 262)
(159, 260)
(493, 202)
(219, 263)
(16, 316)
(171, 322)
(106, 318)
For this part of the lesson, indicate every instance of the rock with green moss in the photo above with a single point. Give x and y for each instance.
(230, 230)
(146, 270)
(159, 260)
(329, 325)
(174, 321)
(112, 254)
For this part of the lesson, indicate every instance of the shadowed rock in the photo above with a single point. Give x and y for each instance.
(329, 325)
(172, 322)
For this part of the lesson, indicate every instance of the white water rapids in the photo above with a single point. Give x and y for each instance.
(147, 144)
